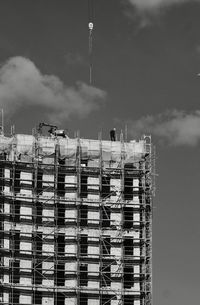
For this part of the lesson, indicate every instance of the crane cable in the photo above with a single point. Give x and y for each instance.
(90, 27)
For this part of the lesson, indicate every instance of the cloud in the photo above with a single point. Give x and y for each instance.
(147, 5)
(147, 10)
(22, 84)
(175, 127)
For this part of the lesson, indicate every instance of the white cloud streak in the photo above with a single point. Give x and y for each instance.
(22, 84)
(147, 5)
(175, 127)
(146, 12)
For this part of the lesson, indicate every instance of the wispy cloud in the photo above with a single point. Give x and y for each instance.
(144, 5)
(22, 84)
(147, 10)
(175, 127)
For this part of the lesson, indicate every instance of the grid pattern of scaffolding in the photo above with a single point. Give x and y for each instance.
(76, 221)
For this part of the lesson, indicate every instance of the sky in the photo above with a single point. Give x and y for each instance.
(146, 60)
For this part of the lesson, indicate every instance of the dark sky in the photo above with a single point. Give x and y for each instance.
(144, 71)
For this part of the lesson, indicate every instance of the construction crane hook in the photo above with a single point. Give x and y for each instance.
(91, 26)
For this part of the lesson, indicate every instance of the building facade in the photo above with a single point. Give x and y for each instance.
(76, 221)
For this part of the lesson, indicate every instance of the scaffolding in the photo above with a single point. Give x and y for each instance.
(76, 221)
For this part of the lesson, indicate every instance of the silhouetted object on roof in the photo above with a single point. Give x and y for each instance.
(60, 133)
(113, 134)
(52, 129)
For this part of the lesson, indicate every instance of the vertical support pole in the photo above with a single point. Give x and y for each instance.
(56, 229)
(78, 201)
(122, 214)
(35, 200)
(100, 215)
(2, 212)
(12, 231)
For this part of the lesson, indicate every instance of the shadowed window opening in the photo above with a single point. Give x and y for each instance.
(37, 298)
(105, 186)
(83, 215)
(39, 212)
(16, 211)
(14, 297)
(39, 181)
(105, 216)
(128, 217)
(128, 276)
(38, 244)
(128, 246)
(15, 242)
(17, 181)
(83, 299)
(61, 184)
(84, 187)
(61, 214)
(83, 245)
(106, 300)
(60, 299)
(60, 275)
(83, 275)
(37, 273)
(128, 300)
(106, 246)
(106, 276)
(61, 244)
(128, 182)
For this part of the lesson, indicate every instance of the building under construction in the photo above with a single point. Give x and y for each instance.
(76, 221)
